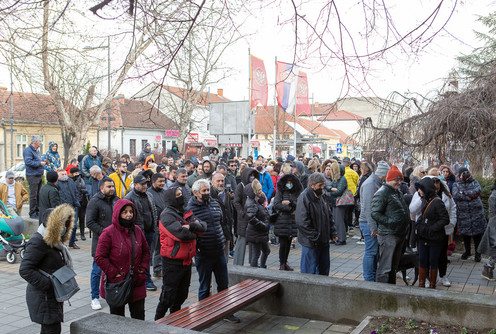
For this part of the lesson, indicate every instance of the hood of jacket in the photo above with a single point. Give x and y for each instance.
(300, 168)
(147, 148)
(118, 207)
(342, 170)
(148, 158)
(281, 184)
(427, 186)
(171, 200)
(50, 144)
(58, 218)
(212, 168)
(245, 175)
(248, 190)
(335, 171)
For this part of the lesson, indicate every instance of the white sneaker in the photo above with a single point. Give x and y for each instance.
(427, 284)
(95, 304)
(445, 282)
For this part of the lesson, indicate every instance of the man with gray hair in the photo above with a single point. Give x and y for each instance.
(34, 172)
(89, 160)
(315, 227)
(368, 226)
(96, 175)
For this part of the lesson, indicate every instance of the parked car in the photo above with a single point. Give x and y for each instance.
(19, 172)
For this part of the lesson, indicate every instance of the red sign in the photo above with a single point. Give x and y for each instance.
(211, 142)
(194, 136)
(255, 143)
(259, 88)
(172, 133)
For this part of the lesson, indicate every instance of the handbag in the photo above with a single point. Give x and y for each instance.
(346, 199)
(64, 283)
(119, 294)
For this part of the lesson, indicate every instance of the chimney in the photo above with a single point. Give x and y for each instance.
(316, 104)
(220, 91)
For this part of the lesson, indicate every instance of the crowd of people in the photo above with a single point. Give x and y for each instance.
(155, 219)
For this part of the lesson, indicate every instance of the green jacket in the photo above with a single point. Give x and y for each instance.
(390, 212)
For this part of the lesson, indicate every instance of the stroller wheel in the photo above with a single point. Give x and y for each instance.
(22, 253)
(11, 257)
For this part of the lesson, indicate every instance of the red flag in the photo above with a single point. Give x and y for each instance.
(302, 105)
(259, 88)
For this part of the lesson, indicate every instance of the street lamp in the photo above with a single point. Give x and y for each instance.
(108, 89)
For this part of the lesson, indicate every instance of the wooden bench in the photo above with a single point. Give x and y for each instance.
(219, 305)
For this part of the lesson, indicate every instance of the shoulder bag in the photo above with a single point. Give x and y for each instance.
(119, 294)
(63, 282)
(346, 199)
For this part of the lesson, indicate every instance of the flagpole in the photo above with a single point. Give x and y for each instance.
(294, 130)
(249, 103)
(275, 116)
(312, 112)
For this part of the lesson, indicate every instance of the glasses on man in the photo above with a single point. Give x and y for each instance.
(423, 172)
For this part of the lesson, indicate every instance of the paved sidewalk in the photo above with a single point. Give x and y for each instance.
(346, 262)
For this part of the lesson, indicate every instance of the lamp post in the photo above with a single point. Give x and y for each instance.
(108, 83)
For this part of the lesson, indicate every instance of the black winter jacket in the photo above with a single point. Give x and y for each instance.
(430, 225)
(285, 225)
(227, 211)
(257, 230)
(82, 191)
(390, 212)
(158, 199)
(240, 199)
(212, 242)
(49, 197)
(41, 253)
(99, 216)
(145, 224)
(314, 220)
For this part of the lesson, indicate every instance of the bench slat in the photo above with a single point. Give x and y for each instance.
(224, 307)
(219, 305)
(207, 301)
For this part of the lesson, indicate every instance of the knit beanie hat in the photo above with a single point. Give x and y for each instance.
(52, 176)
(382, 168)
(394, 174)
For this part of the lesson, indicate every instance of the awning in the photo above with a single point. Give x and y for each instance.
(234, 145)
(317, 149)
(210, 142)
(255, 143)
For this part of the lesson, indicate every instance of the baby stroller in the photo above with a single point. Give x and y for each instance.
(12, 241)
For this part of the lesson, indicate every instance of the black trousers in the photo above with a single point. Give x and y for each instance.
(176, 280)
(443, 258)
(137, 309)
(259, 250)
(284, 247)
(467, 239)
(82, 219)
(51, 329)
(34, 183)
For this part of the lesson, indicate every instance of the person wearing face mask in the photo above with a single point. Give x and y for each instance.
(265, 180)
(46, 251)
(218, 193)
(114, 252)
(247, 176)
(174, 152)
(69, 195)
(210, 257)
(179, 230)
(469, 211)
(288, 190)
(315, 227)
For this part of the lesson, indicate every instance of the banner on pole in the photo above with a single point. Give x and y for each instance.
(259, 87)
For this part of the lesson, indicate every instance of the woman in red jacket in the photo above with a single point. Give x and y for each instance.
(113, 256)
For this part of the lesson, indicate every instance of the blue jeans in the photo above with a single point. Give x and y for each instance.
(370, 254)
(72, 240)
(428, 255)
(149, 240)
(96, 274)
(205, 266)
(315, 260)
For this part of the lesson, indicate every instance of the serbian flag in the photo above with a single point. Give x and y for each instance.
(259, 87)
(292, 88)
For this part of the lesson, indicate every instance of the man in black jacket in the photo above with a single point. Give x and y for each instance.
(147, 218)
(49, 193)
(218, 193)
(315, 227)
(158, 193)
(98, 217)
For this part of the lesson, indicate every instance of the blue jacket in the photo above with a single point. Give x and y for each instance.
(212, 242)
(267, 185)
(69, 193)
(32, 159)
(88, 162)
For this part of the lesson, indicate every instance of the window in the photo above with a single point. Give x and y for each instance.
(132, 147)
(143, 142)
(21, 143)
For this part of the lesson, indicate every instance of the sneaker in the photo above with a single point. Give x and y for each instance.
(232, 318)
(477, 257)
(465, 256)
(427, 284)
(445, 281)
(74, 246)
(95, 304)
(151, 287)
(361, 242)
(351, 229)
(83, 237)
(488, 273)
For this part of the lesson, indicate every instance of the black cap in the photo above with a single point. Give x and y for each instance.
(160, 168)
(140, 179)
(74, 170)
(52, 176)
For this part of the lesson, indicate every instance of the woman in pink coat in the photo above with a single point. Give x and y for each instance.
(113, 256)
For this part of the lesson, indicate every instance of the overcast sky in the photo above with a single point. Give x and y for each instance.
(268, 38)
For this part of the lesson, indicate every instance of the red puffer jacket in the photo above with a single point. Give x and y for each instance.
(113, 253)
(179, 243)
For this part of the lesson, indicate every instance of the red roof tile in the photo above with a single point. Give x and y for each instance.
(341, 115)
(204, 99)
(28, 107)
